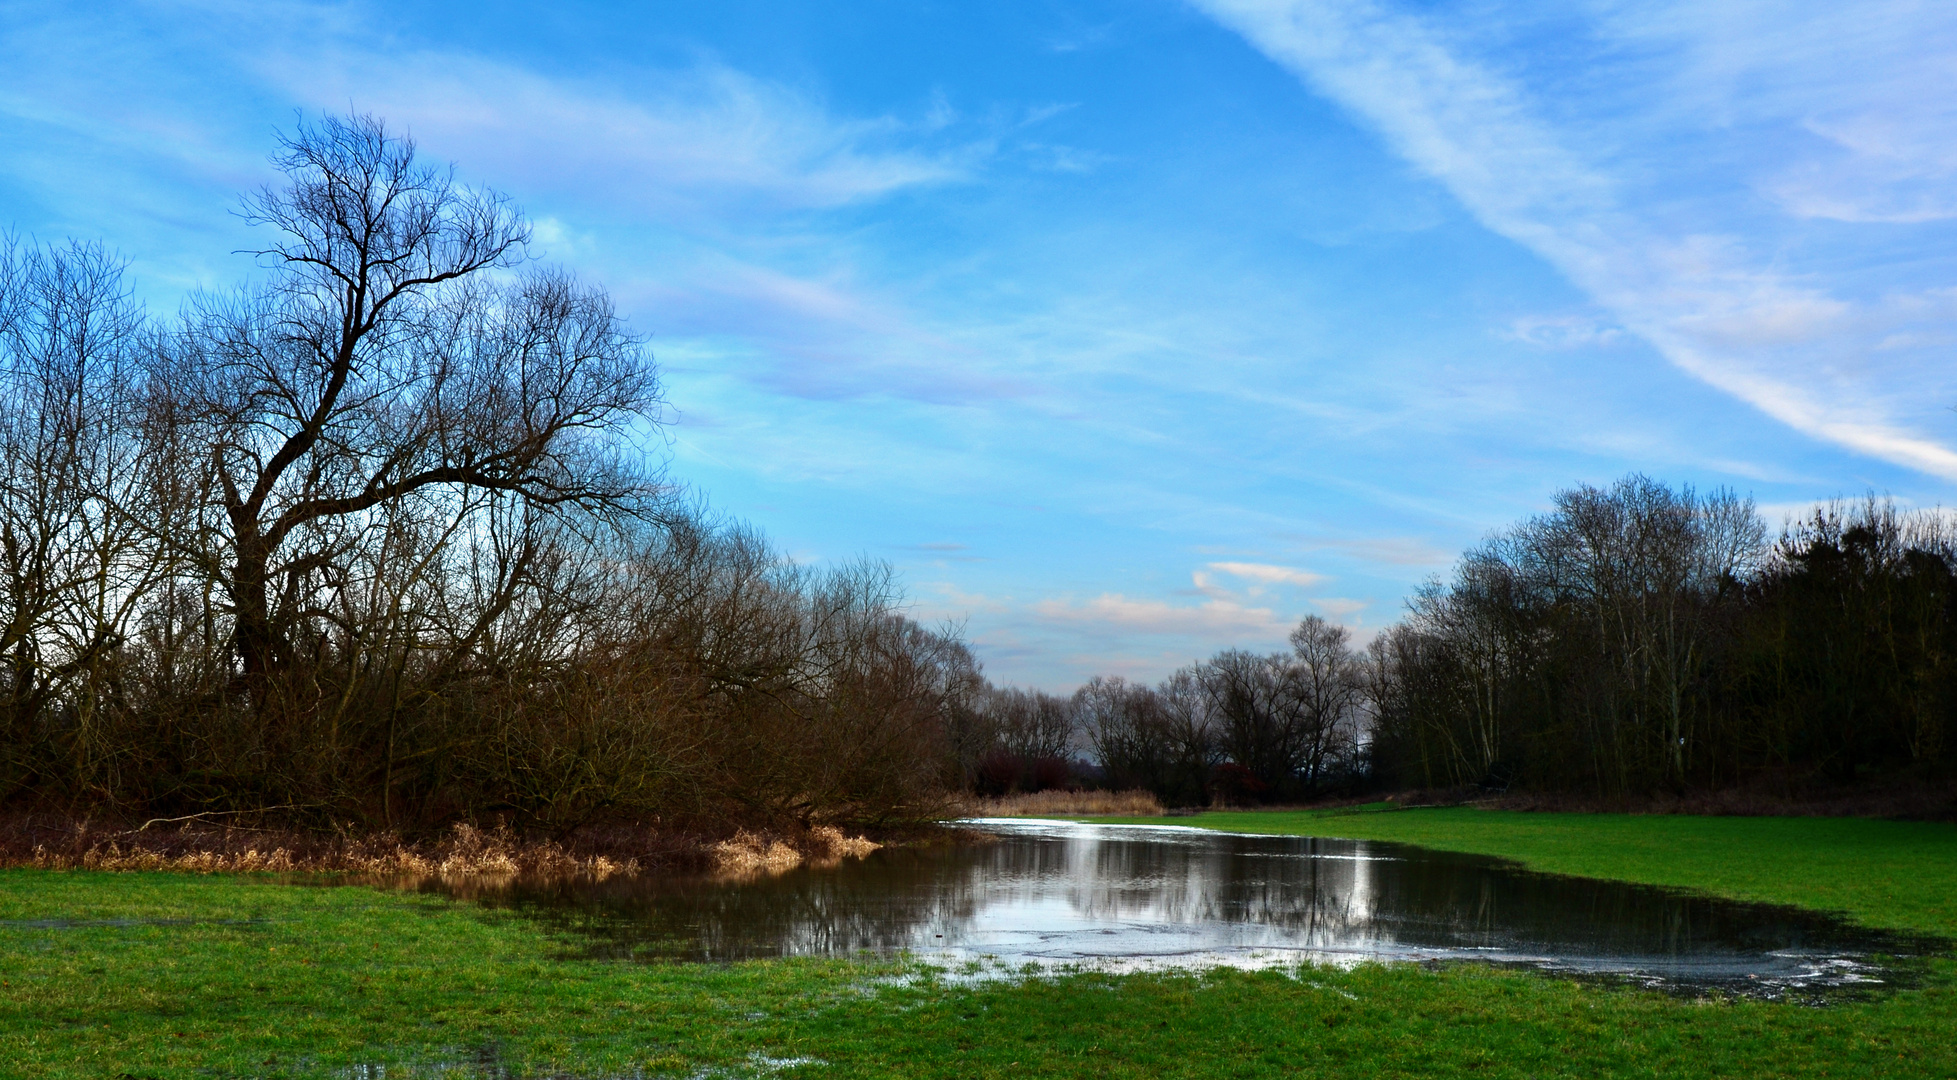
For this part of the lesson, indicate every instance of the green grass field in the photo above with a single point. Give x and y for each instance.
(173, 976)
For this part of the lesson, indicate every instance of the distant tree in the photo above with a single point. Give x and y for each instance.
(1260, 718)
(1852, 654)
(1134, 737)
(1330, 681)
(1033, 724)
(1638, 638)
(1191, 736)
(1640, 569)
(1028, 741)
(1483, 635)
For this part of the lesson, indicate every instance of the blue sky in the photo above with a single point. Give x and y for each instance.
(1130, 331)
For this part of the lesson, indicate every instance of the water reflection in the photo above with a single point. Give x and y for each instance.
(1128, 897)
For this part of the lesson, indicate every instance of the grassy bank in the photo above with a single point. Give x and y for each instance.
(171, 975)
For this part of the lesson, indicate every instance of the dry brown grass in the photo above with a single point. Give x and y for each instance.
(750, 855)
(464, 853)
(1056, 803)
(840, 846)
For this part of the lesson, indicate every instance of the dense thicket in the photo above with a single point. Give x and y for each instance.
(373, 540)
(1642, 639)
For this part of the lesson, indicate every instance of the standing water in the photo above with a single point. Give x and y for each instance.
(1116, 897)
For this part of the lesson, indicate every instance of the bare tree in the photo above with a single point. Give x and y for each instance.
(1327, 682)
(1486, 628)
(1259, 716)
(1032, 724)
(1128, 730)
(387, 355)
(1643, 564)
(74, 566)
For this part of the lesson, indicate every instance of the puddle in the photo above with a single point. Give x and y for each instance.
(1052, 896)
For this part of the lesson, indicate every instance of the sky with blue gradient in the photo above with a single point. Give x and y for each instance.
(1129, 331)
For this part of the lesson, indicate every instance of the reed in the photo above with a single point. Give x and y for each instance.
(751, 855)
(464, 853)
(1058, 803)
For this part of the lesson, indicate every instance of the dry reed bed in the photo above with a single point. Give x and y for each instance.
(465, 852)
(1056, 803)
(750, 855)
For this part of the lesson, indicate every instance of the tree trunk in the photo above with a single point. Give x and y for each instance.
(257, 643)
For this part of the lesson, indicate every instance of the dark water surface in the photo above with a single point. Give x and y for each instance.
(1117, 897)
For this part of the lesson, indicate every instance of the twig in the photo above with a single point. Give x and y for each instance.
(214, 813)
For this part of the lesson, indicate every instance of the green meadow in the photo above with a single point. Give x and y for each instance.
(160, 975)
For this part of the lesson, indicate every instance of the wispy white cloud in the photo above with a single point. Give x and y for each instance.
(724, 165)
(1342, 609)
(948, 601)
(1888, 171)
(824, 338)
(1268, 573)
(1225, 616)
(654, 136)
(1146, 616)
(708, 132)
(1562, 331)
(1388, 550)
(1611, 191)
(730, 169)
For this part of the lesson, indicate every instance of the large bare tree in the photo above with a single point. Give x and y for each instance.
(399, 348)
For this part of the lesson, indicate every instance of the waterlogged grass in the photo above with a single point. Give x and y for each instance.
(175, 976)
(1898, 875)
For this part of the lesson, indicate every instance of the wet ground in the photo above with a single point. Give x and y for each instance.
(1054, 894)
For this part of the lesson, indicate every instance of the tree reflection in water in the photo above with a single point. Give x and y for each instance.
(1124, 897)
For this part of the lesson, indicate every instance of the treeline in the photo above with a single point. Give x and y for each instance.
(374, 542)
(1641, 639)
(1240, 727)
(1637, 640)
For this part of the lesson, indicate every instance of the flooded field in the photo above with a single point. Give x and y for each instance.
(1119, 898)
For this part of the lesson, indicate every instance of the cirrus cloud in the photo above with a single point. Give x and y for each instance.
(1268, 574)
(1597, 178)
(1143, 616)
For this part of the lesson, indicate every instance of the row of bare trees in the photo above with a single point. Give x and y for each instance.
(1238, 727)
(1636, 639)
(376, 539)
(1640, 638)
